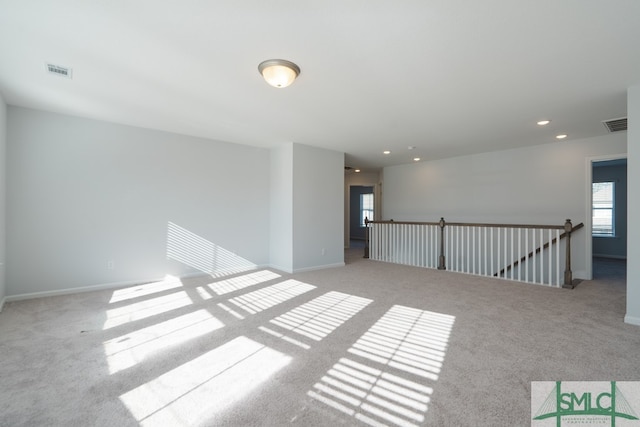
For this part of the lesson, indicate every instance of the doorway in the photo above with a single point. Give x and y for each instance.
(355, 182)
(608, 205)
(361, 206)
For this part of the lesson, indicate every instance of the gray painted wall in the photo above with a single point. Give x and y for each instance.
(306, 208)
(85, 195)
(318, 207)
(281, 190)
(614, 247)
(536, 185)
(633, 207)
(3, 174)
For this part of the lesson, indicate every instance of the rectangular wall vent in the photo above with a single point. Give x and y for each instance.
(616, 125)
(59, 71)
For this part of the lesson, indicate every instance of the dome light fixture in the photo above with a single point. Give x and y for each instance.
(279, 72)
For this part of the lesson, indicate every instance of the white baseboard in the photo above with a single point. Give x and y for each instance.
(69, 291)
(319, 267)
(610, 256)
(632, 320)
(112, 285)
(302, 270)
(280, 268)
(580, 274)
(115, 285)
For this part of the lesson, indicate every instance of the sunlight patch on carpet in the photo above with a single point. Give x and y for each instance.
(284, 337)
(231, 311)
(241, 282)
(128, 350)
(321, 316)
(390, 375)
(169, 282)
(193, 393)
(411, 340)
(262, 299)
(144, 309)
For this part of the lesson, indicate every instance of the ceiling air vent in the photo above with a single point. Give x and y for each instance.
(59, 71)
(616, 125)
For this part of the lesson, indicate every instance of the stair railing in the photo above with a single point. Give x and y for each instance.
(528, 253)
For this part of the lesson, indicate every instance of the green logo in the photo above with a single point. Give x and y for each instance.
(585, 403)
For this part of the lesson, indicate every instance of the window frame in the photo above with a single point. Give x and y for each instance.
(612, 209)
(366, 211)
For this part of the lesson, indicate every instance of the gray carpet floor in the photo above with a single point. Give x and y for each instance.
(366, 344)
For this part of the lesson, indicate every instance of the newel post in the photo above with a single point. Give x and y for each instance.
(441, 263)
(568, 275)
(366, 237)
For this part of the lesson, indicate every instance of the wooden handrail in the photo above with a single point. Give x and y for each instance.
(537, 251)
(390, 221)
(471, 224)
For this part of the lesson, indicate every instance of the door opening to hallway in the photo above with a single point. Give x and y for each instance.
(361, 206)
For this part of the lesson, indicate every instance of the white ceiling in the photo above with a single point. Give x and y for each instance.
(450, 77)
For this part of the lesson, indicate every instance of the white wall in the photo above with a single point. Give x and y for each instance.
(281, 198)
(307, 208)
(544, 184)
(3, 175)
(633, 207)
(81, 193)
(318, 208)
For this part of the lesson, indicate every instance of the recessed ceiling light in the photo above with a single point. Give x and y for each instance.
(416, 159)
(544, 122)
(561, 136)
(357, 170)
(386, 152)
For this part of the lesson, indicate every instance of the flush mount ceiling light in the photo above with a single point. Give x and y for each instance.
(279, 72)
(544, 122)
(561, 136)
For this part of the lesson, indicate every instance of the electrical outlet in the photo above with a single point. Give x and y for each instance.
(111, 265)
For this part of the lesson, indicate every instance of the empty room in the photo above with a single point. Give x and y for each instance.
(358, 213)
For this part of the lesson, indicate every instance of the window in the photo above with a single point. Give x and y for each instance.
(366, 207)
(603, 209)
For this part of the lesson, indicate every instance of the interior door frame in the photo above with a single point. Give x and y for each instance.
(587, 222)
(377, 206)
